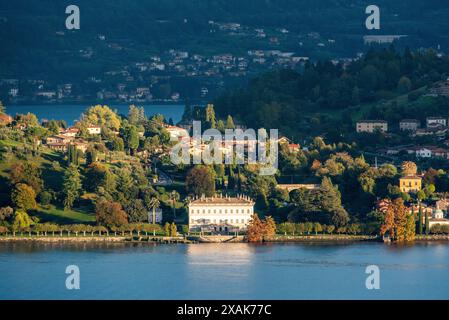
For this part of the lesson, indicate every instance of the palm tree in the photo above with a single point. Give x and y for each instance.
(154, 203)
(174, 196)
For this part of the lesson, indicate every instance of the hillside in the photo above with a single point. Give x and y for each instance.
(147, 27)
(384, 84)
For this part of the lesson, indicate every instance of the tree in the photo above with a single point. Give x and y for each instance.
(210, 116)
(136, 211)
(91, 155)
(173, 230)
(397, 222)
(230, 123)
(174, 196)
(167, 229)
(73, 155)
(317, 228)
(255, 230)
(136, 115)
(27, 173)
(200, 181)
(427, 223)
(21, 221)
(410, 228)
(404, 85)
(429, 190)
(23, 197)
(71, 186)
(2, 108)
(420, 225)
(98, 176)
(269, 228)
(154, 204)
(408, 168)
(340, 217)
(101, 116)
(110, 214)
(131, 137)
(221, 126)
(421, 195)
(308, 227)
(6, 213)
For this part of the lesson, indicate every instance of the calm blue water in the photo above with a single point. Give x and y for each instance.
(70, 113)
(224, 271)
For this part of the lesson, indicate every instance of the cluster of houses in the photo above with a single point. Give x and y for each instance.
(181, 133)
(434, 125)
(421, 152)
(437, 127)
(68, 137)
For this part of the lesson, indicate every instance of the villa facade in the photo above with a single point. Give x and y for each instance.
(220, 214)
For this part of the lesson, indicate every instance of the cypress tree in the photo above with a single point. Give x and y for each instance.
(420, 226)
(427, 224)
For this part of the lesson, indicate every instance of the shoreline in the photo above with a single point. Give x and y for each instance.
(205, 239)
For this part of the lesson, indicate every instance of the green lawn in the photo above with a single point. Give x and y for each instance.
(60, 216)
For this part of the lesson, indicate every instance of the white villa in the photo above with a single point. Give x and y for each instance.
(176, 132)
(220, 214)
(94, 130)
(438, 218)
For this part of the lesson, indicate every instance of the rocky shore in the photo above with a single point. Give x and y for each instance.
(432, 237)
(323, 238)
(50, 239)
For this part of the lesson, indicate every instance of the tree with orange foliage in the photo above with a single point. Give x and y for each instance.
(255, 230)
(270, 227)
(397, 222)
(110, 214)
(259, 230)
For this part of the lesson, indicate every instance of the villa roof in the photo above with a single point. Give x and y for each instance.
(241, 200)
(411, 177)
(372, 121)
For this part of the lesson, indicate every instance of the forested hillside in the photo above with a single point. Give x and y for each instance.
(31, 46)
(328, 97)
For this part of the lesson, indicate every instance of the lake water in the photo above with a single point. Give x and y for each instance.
(70, 113)
(224, 271)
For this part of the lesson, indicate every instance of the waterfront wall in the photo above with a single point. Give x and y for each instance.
(432, 237)
(61, 239)
(322, 237)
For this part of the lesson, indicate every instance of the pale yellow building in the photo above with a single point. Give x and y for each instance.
(410, 184)
(370, 126)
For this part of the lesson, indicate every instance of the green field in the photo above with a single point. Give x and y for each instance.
(61, 216)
